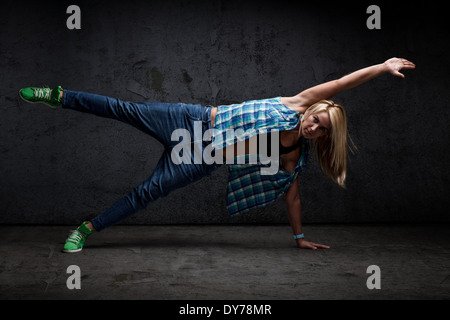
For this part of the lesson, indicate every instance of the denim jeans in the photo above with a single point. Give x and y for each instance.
(158, 120)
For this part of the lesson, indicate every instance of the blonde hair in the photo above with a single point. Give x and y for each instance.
(331, 149)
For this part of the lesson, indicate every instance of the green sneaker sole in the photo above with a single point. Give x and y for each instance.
(72, 251)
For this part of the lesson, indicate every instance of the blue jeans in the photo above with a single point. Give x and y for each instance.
(158, 120)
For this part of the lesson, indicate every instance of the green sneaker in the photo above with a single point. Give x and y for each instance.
(77, 237)
(48, 96)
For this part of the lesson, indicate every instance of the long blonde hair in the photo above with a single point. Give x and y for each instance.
(331, 149)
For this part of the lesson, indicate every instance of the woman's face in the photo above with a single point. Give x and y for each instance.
(316, 125)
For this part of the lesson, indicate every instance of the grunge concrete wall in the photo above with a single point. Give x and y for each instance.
(60, 167)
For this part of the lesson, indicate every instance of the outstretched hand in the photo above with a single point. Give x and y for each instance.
(394, 66)
(303, 244)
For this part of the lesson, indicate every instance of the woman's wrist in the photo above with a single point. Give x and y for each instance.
(385, 66)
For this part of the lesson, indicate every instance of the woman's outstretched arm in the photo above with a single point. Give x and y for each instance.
(329, 89)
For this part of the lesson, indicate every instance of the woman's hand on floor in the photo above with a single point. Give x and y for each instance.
(303, 244)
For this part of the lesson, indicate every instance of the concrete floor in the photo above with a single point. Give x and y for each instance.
(228, 262)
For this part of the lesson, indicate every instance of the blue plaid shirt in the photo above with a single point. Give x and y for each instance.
(247, 189)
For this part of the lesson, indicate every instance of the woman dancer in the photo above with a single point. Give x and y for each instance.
(309, 115)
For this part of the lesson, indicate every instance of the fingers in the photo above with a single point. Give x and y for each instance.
(314, 246)
(402, 64)
(322, 246)
(311, 245)
(398, 74)
(407, 64)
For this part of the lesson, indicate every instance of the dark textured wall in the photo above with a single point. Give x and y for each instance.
(59, 166)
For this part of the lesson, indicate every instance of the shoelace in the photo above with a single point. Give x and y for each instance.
(76, 236)
(42, 93)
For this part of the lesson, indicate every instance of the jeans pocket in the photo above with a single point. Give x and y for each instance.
(195, 112)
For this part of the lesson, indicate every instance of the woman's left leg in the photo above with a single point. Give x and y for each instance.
(166, 177)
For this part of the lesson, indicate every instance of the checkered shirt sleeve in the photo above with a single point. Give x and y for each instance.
(247, 189)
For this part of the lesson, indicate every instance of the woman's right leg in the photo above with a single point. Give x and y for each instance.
(157, 119)
(150, 118)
